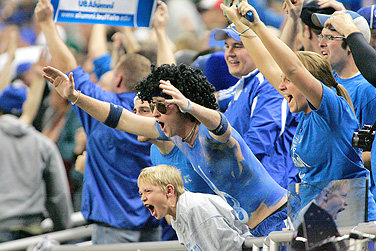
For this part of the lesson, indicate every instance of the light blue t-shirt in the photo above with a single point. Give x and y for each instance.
(261, 116)
(231, 171)
(192, 181)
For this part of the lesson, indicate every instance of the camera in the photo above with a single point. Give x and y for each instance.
(364, 138)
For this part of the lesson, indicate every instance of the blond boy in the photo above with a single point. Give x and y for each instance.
(201, 221)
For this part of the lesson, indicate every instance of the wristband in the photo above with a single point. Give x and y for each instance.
(222, 127)
(114, 116)
(189, 107)
(78, 97)
(244, 31)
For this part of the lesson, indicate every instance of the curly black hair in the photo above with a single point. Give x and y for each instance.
(189, 81)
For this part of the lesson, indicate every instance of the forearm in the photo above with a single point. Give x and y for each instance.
(366, 157)
(212, 120)
(364, 56)
(290, 65)
(130, 42)
(5, 78)
(97, 43)
(95, 108)
(260, 55)
(280, 52)
(289, 33)
(165, 55)
(34, 97)
(62, 57)
(127, 122)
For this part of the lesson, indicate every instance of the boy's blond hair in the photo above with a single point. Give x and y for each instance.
(161, 176)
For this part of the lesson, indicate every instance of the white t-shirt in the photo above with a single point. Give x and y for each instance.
(206, 222)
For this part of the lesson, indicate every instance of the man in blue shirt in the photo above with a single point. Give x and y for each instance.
(258, 112)
(363, 95)
(114, 159)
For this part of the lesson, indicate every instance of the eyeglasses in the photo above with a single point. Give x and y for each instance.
(328, 37)
(161, 107)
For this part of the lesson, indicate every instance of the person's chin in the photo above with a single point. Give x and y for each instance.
(143, 139)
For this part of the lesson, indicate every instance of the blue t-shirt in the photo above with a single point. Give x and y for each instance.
(110, 192)
(266, 125)
(231, 171)
(322, 148)
(363, 97)
(192, 181)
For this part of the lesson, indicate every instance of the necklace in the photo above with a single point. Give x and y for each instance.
(190, 133)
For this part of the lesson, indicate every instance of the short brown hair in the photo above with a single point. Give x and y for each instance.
(133, 67)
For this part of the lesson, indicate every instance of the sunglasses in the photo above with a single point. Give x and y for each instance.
(161, 107)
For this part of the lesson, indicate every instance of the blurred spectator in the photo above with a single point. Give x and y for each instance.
(33, 181)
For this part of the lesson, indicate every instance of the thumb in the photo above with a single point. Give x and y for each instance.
(71, 78)
(223, 7)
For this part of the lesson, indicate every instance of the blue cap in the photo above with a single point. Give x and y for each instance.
(360, 22)
(368, 12)
(12, 99)
(200, 62)
(228, 32)
(216, 71)
(22, 68)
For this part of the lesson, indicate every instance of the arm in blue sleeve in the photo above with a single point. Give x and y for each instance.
(102, 64)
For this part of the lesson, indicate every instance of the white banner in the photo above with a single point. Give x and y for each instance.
(135, 13)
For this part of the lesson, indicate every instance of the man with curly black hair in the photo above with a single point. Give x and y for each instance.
(184, 112)
(186, 79)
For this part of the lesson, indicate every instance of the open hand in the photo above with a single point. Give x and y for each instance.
(63, 84)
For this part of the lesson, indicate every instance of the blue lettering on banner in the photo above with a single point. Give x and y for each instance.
(94, 4)
(95, 17)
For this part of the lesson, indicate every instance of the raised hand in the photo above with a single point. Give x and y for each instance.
(293, 8)
(63, 84)
(44, 11)
(237, 12)
(342, 22)
(161, 17)
(177, 97)
(331, 3)
(43, 61)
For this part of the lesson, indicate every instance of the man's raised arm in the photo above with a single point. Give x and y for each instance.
(62, 57)
(109, 114)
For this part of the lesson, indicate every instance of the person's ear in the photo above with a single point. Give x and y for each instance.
(308, 32)
(170, 190)
(119, 79)
(325, 192)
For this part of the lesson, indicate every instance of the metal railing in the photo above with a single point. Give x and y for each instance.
(78, 232)
(272, 242)
(139, 246)
(60, 236)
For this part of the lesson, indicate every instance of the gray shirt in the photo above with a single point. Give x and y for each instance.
(33, 180)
